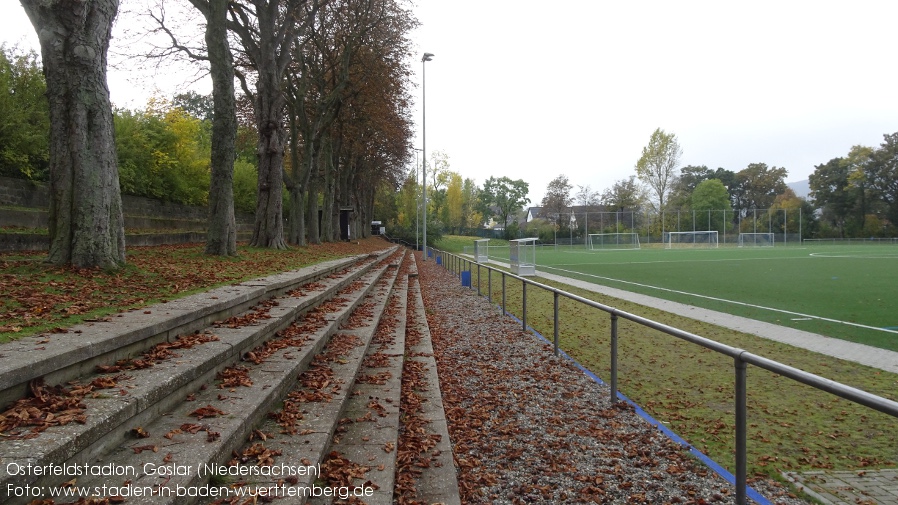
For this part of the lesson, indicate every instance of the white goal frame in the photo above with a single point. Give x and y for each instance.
(765, 239)
(704, 239)
(612, 241)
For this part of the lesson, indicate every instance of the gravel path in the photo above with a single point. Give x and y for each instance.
(527, 427)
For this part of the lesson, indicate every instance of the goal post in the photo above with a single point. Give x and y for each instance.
(691, 239)
(756, 239)
(613, 241)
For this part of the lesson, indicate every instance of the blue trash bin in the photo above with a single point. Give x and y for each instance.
(439, 260)
(466, 278)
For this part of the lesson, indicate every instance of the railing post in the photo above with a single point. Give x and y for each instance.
(741, 435)
(613, 357)
(556, 322)
(489, 285)
(524, 305)
(478, 279)
(503, 292)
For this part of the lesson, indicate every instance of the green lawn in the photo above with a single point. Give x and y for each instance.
(846, 292)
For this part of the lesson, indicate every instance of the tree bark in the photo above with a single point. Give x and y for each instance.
(221, 239)
(269, 225)
(296, 226)
(312, 215)
(329, 223)
(303, 167)
(267, 29)
(86, 223)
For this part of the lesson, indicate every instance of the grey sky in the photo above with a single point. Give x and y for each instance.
(530, 90)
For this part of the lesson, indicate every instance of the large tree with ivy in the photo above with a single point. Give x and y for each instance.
(86, 223)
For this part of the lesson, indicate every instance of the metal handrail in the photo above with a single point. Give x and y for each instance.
(741, 358)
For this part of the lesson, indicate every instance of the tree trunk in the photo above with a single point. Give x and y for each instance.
(362, 196)
(86, 224)
(312, 216)
(329, 223)
(222, 236)
(302, 169)
(344, 193)
(269, 103)
(269, 226)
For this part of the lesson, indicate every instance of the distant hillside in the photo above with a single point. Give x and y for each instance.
(801, 188)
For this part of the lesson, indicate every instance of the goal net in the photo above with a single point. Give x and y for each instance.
(604, 241)
(756, 240)
(690, 239)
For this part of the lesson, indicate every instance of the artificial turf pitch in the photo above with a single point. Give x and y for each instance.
(842, 291)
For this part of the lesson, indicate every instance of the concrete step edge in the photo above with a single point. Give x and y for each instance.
(373, 443)
(271, 380)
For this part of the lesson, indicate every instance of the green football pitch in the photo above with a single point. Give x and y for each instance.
(843, 291)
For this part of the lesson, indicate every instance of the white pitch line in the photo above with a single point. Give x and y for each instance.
(734, 302)
(671, 261)
(850, 255)
(682, 261)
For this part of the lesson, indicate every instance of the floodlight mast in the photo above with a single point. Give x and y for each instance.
(417, 203)
(424, 59)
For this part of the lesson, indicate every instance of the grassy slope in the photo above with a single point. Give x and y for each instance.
(38, 297)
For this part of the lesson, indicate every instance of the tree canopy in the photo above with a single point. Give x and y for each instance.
(710, 194)
(624, 194)
(657, 167)
(505, 196)
(557, 200)
(758, 185)
(24, 130)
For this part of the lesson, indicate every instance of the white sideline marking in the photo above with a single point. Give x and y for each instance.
(808, 316)
(683, 261)
(853, 255)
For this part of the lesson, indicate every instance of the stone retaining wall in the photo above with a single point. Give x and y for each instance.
(31, 201)
(35, 242)
(152, 213)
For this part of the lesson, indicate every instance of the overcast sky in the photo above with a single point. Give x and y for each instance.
(531, 90)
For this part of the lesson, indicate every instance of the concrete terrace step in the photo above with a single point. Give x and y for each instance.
(58, 358)
(140, 396)
(216, 420)
(362, 450)
(437, 477)
(317, 419)
(394, 411)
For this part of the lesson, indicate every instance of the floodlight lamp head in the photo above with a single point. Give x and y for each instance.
(427, 57)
